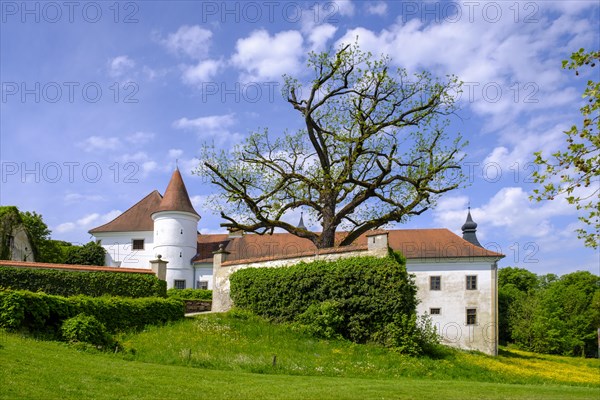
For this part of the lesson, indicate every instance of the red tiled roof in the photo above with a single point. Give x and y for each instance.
(137, 218)
(413, 243)
(69, 267)
(176, 197)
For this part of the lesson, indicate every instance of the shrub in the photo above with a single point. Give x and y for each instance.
(87, 329)
(323, 320)
(361, 299)
(72, 283)
(189, 294)
(42, 313)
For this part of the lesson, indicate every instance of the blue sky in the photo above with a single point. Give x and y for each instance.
(99, 100)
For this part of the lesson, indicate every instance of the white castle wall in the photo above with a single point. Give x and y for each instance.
(453, 299)
(119, 253)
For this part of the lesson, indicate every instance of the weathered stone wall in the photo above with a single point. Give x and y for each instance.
(194, 306)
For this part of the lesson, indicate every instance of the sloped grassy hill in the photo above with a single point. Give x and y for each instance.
(224, 356)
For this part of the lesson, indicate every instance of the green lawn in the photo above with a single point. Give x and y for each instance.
(219, 356)
(223, 342)
(49, 370)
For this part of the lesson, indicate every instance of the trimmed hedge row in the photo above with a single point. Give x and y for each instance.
(73, 283)
(189, 294)
(356, 298)
(43, 313)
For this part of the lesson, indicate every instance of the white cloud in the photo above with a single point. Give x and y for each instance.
(214, 127)
(510, 209)
(210, 123)
(320, 35)
(175, 153)
(78, 197)
(202, 72)
(140, 137)
(261, 56)
(192, 41)
(87, 222)
(99, 143)
(376, 8)
(344, 7)
(119, 66)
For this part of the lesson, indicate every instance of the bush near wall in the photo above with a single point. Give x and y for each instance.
(356, 298)
(73, 283)
(189, 294)
(43, 313)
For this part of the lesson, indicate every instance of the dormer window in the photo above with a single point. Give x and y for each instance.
(137, 244)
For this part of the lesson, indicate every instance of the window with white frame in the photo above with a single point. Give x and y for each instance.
(179, 284)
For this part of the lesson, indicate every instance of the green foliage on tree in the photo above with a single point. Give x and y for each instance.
(513, 284)
(89, 254)
(373, 149)
(552, 315)
(574, 172)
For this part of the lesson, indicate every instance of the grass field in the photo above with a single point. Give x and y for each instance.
(220, 357)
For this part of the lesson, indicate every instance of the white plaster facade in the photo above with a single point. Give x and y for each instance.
(453, 299)
(119, 248)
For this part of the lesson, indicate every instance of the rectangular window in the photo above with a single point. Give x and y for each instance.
(435, 283)
(202, 285)
(435, 311)
(138, 244)
(471, 282)
(471, 316)
(179, 284)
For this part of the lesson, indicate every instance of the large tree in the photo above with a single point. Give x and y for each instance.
(372, 150)
(574, 172)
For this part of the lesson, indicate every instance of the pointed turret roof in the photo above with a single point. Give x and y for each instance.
(176, 197)
(469, 230)
(137, 218)
(301, 223)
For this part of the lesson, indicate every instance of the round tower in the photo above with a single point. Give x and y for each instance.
(176, 233)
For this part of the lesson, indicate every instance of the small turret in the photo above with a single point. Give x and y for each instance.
(176, 233)
(469, 230)
(301, 223)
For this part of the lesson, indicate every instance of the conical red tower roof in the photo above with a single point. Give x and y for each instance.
(176, 197)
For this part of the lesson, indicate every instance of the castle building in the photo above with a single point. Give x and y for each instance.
(456, 277)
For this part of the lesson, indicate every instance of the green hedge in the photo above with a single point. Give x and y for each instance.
(358, 297)
(43, 313)
(73, 283)
(189, 294)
